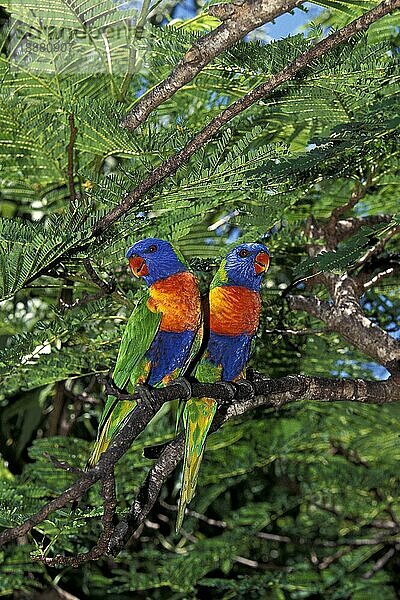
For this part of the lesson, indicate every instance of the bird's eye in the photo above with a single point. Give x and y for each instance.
(152, 248)
(243, 253)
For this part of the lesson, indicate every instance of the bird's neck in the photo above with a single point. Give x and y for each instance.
(223, 277)
(164, 269)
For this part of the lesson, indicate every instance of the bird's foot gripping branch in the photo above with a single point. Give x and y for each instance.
(262, 392)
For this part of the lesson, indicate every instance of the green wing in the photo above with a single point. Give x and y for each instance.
(140, 331)
(130, 368)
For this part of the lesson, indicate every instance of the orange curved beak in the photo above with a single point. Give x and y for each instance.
(138, 266)
(261, 262)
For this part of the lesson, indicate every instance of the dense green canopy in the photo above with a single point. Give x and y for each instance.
(301, 502)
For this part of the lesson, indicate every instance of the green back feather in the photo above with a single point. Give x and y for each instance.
(180, 256)
(140, 331)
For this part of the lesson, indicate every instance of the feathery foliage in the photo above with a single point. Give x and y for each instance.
(284, 498)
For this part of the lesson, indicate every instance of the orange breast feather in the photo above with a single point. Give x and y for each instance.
(178, 298)
(234, 310)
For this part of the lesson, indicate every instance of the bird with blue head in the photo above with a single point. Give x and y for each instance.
(161, 336)
(234, 312)
(154, 259)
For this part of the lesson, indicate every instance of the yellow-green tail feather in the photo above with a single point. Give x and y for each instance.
(197, 418)
(115, 414)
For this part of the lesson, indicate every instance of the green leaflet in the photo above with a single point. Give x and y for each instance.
(26, 251)
(347, 254)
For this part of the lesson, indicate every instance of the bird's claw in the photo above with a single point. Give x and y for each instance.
(245, 388)
(229, 391)
(112, 389)
(184, 385)
(146, 395)
(253, 375)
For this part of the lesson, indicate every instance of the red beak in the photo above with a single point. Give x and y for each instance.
(261, 262)
(138, 266)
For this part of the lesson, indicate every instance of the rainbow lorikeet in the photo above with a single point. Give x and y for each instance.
(235, 306)
(162, 335)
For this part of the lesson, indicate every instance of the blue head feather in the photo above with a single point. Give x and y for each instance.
(160, 259)
(240, 266)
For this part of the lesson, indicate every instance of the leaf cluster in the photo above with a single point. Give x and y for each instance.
(316, 477)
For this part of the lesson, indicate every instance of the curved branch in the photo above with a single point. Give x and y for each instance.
(147, 495)
(379, 276)
(238, 18)
(261, 392)
(346, 317)
(172, 164)
(287, 389)
(109, 505)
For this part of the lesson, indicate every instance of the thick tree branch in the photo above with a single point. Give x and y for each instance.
(330, 229)
(109, 504)
(147, 495)
(345, 317)
(238, 18)
(172, 164)
(287, 389)
(261, 392)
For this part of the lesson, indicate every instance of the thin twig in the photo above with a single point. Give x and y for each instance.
(293, 331)
(247, 562)
(378, 277)
(381, 562)
(62, 464)
(357, 194)
(195, 514)
(95, 277)
(333, 558)
(378, 246)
